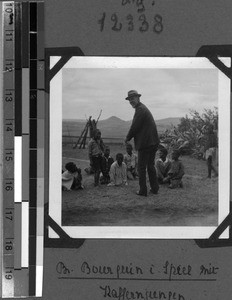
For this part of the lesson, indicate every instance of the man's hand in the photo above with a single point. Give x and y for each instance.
(166, 179)
(126, 141)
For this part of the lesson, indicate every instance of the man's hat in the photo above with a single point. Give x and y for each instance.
(132, 93)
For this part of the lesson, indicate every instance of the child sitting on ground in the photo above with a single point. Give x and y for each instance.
(176, 172)
(107, 161)
(96, 148)
(131, 162)
(118, 172)
(71, 178)
(163, 165)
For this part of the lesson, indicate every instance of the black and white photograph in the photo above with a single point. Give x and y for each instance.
(115, 152)
(139, 147)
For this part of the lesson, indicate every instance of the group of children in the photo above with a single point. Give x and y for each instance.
(112, 172)
(169, 171)
(124, 168)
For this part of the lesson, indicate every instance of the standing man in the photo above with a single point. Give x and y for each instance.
(143, 130)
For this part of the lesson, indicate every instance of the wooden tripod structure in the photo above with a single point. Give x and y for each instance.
(90, 126)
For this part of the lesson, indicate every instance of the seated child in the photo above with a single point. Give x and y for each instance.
(131, 162)
(71, 178)
(162, 164)
(107, 161)
(118, 172)
(176, 172)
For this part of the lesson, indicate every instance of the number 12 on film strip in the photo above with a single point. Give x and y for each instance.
(23, 152)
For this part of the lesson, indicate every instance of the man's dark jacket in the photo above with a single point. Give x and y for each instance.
(143, 128)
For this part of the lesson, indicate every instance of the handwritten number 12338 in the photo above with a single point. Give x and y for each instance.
(143, 24)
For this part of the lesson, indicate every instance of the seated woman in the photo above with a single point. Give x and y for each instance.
(71, 178)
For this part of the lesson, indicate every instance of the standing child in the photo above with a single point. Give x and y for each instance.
(176, 172)
(71, 178)
(118, 172)
(107, 161)
(210, 147)
(131, 162)
(163, 165)
(96, 149)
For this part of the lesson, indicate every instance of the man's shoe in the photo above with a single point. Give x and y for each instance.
(153, 192)
(141, 194)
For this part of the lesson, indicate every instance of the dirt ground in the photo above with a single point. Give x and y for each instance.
(194, 205)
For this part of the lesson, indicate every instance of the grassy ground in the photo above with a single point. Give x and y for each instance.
(194, 205)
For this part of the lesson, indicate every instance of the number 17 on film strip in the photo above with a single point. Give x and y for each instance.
(23, 148)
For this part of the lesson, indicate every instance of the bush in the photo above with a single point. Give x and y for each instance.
(189, 135)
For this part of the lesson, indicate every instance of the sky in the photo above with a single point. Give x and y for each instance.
(166, 92)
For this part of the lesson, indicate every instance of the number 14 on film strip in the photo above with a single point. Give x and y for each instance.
(23, 147)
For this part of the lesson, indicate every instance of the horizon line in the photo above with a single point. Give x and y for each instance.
(79, 119)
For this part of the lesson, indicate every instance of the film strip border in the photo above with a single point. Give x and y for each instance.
(23, 169)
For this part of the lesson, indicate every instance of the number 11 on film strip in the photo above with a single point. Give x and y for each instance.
(23, 148)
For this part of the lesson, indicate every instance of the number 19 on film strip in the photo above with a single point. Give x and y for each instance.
(23, 76)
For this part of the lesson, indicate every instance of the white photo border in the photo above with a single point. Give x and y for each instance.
(55, 149)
